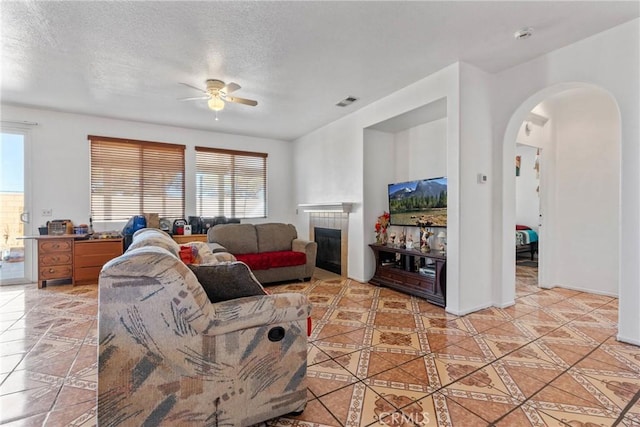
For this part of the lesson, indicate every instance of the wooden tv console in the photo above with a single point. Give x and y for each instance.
(411, 271)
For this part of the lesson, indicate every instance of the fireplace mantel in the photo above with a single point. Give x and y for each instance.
(343, 207)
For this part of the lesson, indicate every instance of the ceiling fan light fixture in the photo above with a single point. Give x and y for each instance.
(216, 104)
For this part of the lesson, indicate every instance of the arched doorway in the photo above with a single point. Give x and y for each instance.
(580, 187)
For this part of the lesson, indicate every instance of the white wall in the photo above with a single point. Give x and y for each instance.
(379, 158)
(475, 199)
(585, 220)
(609, 60)
(329, 162)
(527, 195)
(416, 153)
(59, 162)
(421, 151)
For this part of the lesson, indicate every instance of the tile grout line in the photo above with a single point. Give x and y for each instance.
(627, 409)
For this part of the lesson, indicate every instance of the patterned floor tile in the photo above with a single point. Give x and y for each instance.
(442, 323)
(525, 380)
(81, 414)
(32, 421)
(499, 346)
(315, 414)
(435, 340)
(395, 341)
(26, 403)
(488, 406)
(525, 416)
(567, 396)
(394, 320)
(414, 376)
(575, 418)
(354, 302)
(604, 361)
(615, 392)
(376, 356)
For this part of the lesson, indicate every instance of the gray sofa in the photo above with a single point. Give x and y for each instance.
(273, 251)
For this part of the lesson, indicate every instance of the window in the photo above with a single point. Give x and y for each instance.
(131, 177)
(231, 183)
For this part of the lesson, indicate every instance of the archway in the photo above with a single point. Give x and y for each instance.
(549, 276)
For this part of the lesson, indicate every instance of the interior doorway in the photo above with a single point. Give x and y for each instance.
(579, 191)
(534, 135)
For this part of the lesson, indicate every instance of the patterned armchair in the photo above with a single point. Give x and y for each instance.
(168, 356)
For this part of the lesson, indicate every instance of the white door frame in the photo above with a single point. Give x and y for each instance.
(29, 250)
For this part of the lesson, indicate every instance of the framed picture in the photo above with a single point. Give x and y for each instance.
(518, 158)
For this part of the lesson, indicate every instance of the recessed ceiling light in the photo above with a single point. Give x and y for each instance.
(523, 33)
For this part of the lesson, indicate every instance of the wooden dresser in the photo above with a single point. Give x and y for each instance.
(64, 257)
(90, 255)
(55, 258)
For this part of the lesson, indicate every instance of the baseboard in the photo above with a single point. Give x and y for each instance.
(627, 340)
(590, 291)
(471, 310)
(506, 304)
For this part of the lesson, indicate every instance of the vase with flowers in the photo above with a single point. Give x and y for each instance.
(381, 228)
(425, 233)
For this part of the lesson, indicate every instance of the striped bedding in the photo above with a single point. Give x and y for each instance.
(524, 237)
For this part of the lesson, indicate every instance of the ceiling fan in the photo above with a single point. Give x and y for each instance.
(217, 93)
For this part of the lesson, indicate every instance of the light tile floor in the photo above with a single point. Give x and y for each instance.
(376, 356)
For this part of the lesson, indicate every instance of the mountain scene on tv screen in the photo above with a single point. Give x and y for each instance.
(426, 202)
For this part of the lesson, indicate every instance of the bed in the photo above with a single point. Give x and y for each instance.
(526, 240)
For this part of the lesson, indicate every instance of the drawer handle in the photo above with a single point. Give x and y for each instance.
(51, 270)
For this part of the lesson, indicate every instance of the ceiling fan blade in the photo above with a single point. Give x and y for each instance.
(193, 87)
(231, 87)
(244, 101)
(194, 98)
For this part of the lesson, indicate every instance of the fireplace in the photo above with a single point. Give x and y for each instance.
(337, 223)
(329, 255)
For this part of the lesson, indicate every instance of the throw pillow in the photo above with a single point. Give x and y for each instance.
(186, 254)
(227, 281)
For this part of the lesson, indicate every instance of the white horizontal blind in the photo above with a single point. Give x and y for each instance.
(231, 183)
(130, 177)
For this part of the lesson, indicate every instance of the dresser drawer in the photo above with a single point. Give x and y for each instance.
(93, 260)
(55, 272)
(54, 258)
(57, 245)
(98, 247)
(89, 257)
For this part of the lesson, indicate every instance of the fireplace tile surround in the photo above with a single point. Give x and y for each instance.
(334, 221)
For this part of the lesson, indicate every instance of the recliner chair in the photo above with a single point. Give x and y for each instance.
(168, 356)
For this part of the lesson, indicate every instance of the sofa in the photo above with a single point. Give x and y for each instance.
(273, 251)
(169, 356)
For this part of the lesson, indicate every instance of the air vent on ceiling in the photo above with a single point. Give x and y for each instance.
(523, 33)
(347, 101)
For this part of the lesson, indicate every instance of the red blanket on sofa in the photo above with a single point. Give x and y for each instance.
(267, 260)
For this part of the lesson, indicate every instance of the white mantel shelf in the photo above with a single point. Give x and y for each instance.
(343, 207)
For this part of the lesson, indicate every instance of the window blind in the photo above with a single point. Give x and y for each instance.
(130, 177)
(231, 183)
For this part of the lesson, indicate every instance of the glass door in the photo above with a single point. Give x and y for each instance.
(15, 265)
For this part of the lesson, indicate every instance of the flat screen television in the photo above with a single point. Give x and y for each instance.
(423, 198)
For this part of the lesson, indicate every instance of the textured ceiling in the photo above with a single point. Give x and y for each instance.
(298, 59)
